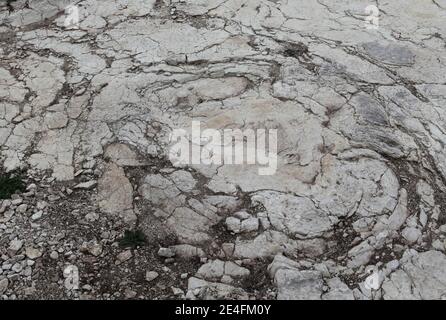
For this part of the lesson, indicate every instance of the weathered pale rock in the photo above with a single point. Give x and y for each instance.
(338, 290)
(54, 255)
(389, 53)
(159, 190)
(187, 251)
(121, 155)
(235, 271)
(14, 246)
(183, 180)
(411, 234)
(211, 270)
(56, 120)
(166, 252)
(124, 255)
(233, 224)
(295, 284)
(151, 275)
(226, 203)
(267, 244)
(397, 218)
(37, 215)
(312, 247)
(360, 254)
(218, 184)
(213, 290)
(22, 208)
(3, 285)
(294, 215)
(216, 269)
(33, 253)
(249, 225)
(242, 215)
(115, 194)
(190, 226)
(92, 247)
(421, 276)
(86, 185)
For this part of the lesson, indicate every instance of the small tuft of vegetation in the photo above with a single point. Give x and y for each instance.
(9, 185)
(132, 238)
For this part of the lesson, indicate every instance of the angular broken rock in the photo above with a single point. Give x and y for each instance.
(293, 215)
(177, 291)
(14, 246)
(420, 276)
(187, 251)
(411, 234)
(33, 253)
(166, 252)
(124, 256)
(295, 284)
(151, 275)
(235, 271)
(242, 215)
(249, 225)
(183, 180)
(233, 224)
(266, 244)
(360, 254)
(92, 247)
(359, 118)
(22, 208)
(206, 290)
(338, 290)
(214, 270)
(121, 155)
(115, 194)
(86, 185)
(3, 285)
(37, 215)
(190, 226)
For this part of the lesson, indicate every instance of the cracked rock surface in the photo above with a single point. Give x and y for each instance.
(355, 210)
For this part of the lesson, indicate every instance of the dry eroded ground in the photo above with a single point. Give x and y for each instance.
(86, 113)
